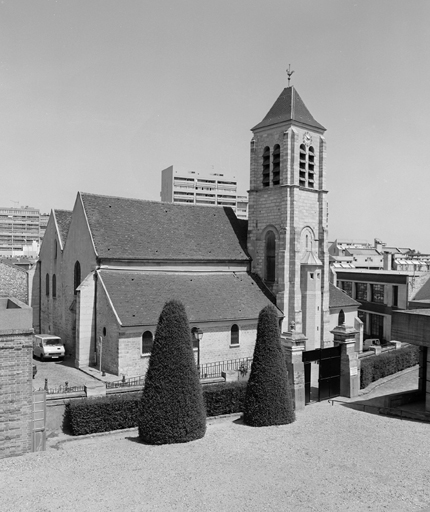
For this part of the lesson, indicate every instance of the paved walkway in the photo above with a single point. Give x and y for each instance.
(59, 372)
(333, 458)
(375, 397)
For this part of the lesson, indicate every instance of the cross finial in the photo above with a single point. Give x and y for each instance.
(289, 73)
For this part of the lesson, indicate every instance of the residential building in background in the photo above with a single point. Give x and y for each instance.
(21, 231)
(192, 187)
(381, 293)
(376, 256)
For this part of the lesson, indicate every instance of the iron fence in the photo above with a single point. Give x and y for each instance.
(213, 370)
(126, 383)
(60, 390)
(206, 371)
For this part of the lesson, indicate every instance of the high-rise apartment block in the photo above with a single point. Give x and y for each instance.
(21, 231)
(192, 187)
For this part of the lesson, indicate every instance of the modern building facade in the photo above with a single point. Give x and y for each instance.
(381, 293)
(21, 231)
(192, 187)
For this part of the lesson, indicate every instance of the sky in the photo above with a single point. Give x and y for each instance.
(100, 95)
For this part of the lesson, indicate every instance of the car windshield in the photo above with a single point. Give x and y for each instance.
(52, 342)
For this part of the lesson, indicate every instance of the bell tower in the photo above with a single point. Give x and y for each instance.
(287, 227)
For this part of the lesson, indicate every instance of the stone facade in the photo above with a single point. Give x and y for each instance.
(122, 346)
(57, 311)
(296, 213)
(85, 317)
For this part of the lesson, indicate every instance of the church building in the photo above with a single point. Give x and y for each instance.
(107, 267)
(287, 231)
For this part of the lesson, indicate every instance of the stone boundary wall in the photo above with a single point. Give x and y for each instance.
(16, 392)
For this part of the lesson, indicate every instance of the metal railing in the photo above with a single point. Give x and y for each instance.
(206, 371)
(126, 383)
(213, 370)
(60, 390)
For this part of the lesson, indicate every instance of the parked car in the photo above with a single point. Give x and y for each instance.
(371, 342)
(47, 346)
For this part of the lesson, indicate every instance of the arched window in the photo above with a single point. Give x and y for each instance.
(302, 166)
(276, 178)
(147, 342)
(47, 285)
(307, 166)
(54, 285)
(341, 318)
(55, 249)
(311, 167)
(266, 166)
(77, 276)
(234, 335)
(270, 257)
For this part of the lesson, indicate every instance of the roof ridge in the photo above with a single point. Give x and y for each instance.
(62, 210)
(293, 102)
(154, 201)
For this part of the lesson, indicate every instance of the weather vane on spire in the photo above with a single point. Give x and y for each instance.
(289, 73)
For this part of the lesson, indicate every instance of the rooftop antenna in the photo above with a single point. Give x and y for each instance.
(289, 73)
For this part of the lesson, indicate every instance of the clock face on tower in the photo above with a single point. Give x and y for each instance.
(307, 138)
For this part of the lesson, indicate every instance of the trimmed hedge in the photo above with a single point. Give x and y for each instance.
(268, 398)
(224, 398)
(382, 365)
(116, 412)
(91, 415)
(172, 408)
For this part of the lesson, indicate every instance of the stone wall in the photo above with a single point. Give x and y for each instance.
(13, 282)
(16, 392)
(122, 351)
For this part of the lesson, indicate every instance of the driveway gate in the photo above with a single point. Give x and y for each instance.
(329, 372)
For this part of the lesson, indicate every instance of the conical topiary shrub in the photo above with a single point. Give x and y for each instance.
(172, 408)
(268, 398)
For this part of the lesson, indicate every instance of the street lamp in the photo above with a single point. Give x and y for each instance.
(11, 217)
(197, 334)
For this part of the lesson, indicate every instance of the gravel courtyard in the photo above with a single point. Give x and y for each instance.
(333, 458)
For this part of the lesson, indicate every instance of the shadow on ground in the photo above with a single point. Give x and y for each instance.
(413, 411)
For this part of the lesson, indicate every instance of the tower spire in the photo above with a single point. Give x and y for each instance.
(289, 73)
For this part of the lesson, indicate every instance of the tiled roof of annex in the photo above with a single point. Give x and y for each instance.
(339, 299)
(12, 264)
(138, 297)
(63, 218)
(289, 107)
(125, 228)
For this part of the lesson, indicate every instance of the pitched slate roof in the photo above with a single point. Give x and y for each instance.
(136, 229)
(138, 297)
(289, 107)
(12, 264)
(63, 218)
(339, 299)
